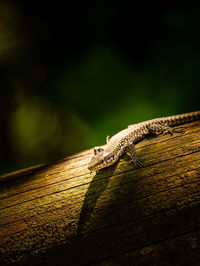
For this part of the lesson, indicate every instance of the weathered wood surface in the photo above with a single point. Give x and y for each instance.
(60, 214)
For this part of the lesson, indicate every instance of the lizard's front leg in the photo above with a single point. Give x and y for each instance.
(131, 149)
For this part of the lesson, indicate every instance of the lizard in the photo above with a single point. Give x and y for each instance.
(125, 140)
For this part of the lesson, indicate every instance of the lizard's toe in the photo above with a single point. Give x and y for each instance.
(136, 162)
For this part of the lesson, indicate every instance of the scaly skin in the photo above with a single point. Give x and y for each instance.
(124, 141)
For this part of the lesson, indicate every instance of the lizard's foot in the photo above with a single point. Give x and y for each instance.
(134, 159)
(136, 162)
(171, 131)
(178, 130)
(168, 131)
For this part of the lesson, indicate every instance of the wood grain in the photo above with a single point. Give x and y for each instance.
(61, 214)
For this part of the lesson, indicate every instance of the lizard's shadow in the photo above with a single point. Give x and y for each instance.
(97, 186)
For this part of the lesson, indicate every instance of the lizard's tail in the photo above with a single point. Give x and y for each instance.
(183, 119)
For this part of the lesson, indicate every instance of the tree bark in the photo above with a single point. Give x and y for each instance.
(61, 214)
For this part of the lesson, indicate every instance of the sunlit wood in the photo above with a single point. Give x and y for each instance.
(64, 215)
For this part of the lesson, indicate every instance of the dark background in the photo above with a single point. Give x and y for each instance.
(72, 73)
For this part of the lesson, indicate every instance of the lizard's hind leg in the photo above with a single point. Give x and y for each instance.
(157, 128)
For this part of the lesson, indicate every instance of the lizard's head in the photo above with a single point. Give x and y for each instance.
(100, 159)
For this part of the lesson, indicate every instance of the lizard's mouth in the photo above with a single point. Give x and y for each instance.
(91, 168)
(94, 166)
(97, 163)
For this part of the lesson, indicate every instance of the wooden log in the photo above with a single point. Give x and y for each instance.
(61, 214)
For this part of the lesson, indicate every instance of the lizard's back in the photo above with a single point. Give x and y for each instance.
(138, 131)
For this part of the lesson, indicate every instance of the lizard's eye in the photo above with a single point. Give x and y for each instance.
(97, 150)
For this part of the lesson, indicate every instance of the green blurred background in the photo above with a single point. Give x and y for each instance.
(72, 73)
